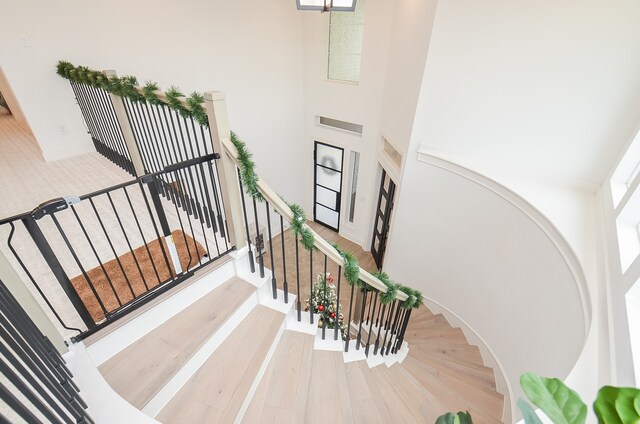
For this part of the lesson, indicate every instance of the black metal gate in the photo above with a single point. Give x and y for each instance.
(112, 250)
(383, 218)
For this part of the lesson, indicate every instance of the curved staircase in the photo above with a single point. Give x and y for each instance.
(235, 356)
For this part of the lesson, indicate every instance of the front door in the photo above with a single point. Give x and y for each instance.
(328, 182)
(383, 218)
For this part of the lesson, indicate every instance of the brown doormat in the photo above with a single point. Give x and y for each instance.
(136, 281)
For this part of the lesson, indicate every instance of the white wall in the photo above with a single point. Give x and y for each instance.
(544, 86)
(250, 50)
(396, 40)
(358, 103)
(468, 247)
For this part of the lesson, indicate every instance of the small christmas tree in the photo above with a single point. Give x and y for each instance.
(328, 308)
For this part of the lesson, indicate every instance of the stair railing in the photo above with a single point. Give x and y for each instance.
(370, 323)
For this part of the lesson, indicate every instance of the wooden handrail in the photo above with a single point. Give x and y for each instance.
(321, 244)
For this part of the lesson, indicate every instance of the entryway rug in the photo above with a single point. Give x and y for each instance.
(138, 278)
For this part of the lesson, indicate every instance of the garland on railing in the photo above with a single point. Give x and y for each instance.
(351, 267)
(247, 168)
(414, 299)
(392, 288)
(127, 87)
(298, 225)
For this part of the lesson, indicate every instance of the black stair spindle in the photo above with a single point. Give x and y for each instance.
(259, 239)
(362, 310)
(324, 299)
(274, 284)
(252, 264)
(375, 303)
(336, 320)
(346, 343)
(311, 305)
(284, 263)
(298, 302)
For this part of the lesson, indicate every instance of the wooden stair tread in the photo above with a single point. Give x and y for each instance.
(389, 403)
(450, 352)
(281, 396)
(139, 371)
(450, 398)
(328, 397)
(476, 373)
(423, 404)
(219, 387)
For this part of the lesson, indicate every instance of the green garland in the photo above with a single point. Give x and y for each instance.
(392, 288)
(298, 225)
(351, 267)
(127, 87)
(414, 299)
(247, 168)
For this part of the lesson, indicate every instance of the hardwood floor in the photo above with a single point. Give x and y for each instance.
(142, 369)
(217, 390)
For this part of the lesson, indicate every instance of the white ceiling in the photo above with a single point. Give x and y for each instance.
(545, 86)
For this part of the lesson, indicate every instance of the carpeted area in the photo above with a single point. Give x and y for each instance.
(140, 277)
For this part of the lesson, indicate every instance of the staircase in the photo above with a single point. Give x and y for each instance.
(236, 355)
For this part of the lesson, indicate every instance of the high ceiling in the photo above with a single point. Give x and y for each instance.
(550, 87)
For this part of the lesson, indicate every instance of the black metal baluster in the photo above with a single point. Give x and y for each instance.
(362, 310)
(252, 264)
(126, 238)
(311, 305)
(161, 217)
(258, 239)
(324, 299)
(337, 312)
(403, 314)
(184, 234)
(375, 303)
(95, 253)
(114, 127)
(150, 137)
(284, 263)
(298, 303)
(101, 131)
(379, 330)
(393, 326)
(274, 285)
(115, 254)
(144, 240)
(137, 136)
(106, 130)
(387, 325)
(32, 397)
(403, 329)
(56, 268)
(346, 343)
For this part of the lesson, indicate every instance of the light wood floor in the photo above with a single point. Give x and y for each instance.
(142, 369)
(26, 180)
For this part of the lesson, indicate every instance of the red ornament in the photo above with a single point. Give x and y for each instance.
(321, 308)
(332, 315)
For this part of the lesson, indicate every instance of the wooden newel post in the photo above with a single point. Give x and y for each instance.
(220, 130)
(127, 132)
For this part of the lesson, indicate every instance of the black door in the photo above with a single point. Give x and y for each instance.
(328, 183)
(383, 218)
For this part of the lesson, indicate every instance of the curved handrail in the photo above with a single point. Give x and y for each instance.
(320, 243)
